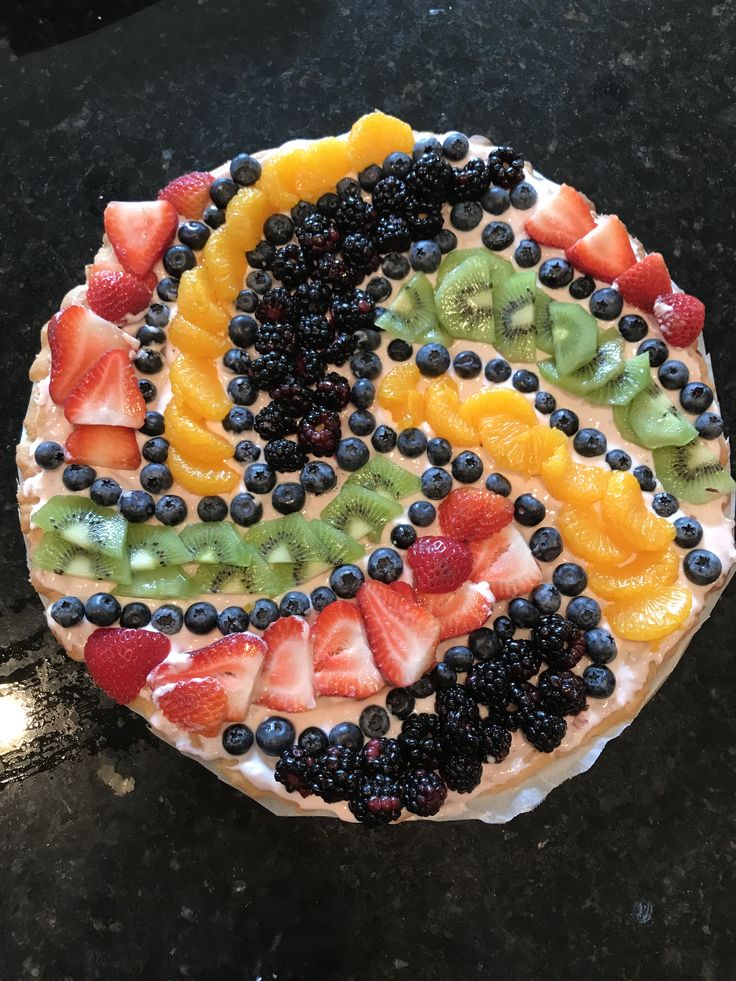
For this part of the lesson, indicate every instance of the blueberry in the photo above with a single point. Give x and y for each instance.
(146, 334)
(528, 510)
(321, 597)
(400, 703)
(525, 381)
(363, 393)
(155, 478)
(497, 235)
(258, 280)
(67, 611)
(313, 740)
(523, 613)
(455, 146)
(657, 350)
(380, 289)
(599, 680)
(696, 397)
(171, 509)
(498, 484)
(147, 389)
(102, 609)
(411, 442)
(397, 164)
(459, 658)
(383, 439)
(688, 532)
(645, 477)
(466, 215)
(260, 258)
(215, 218)
(606, 303)
(422, 688)
(365, 364)
(442, 676)
(259, 478)
(278, 229)
(556, 273)
(351, 454)
(105, 491)
(179, 259)
(523, 196)
(374, 721)
(242, 330)
(153, 424)
(233, 620)
(237, 739)
(709, 425)
(527, 253)
(446, 240)
(136, 506)
(581, 288)
(618, 460)
(546, 544)
(294, 604)
(346, 580)
(236, 361)
(428, 144)
(569, 578)
(264, 613)
(497, 370)
(484, 643)
(633, 328)
(565, 420)
(167, 289)
(433, 360)
(361, 422)
(702, 567)
(467, 467)
(49, 455)
(504, 627)
(77, 477)
(665, 505)
(274, 735)
(288, 498)
(403, 536)
(385, 565)
(589, 442)
(246, 451)
(395, 265)
(545, 403)
(317, 477)
(245, 510)
(439, 451)
(200, 618)
(600, 645)
(158, 314)
(135, 615)
(422, 513)
(425, 256)
(673, 374)
(244, 169)
(368, 339)
(303, 209)
(148, 361)
(242, 391)
(328, 203)
(546, 598)
(194, 234)
(399, 350)
(584, 612)
(167, 619)
(436, 483)
(212, 508)
(495, 201)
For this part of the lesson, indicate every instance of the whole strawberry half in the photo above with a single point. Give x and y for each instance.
(439, 564)
(115, 294)
(680, 317)
(189, 194)
(119, 659)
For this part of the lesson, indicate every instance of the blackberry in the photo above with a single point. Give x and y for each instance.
(360, 251)
(520, 659)
(332, 391)
(562, 692)
(340, 350)
(335, 774)
(461, 773)
(542, 729)
(275, 304)
(505, 166)
(315, 331)
(294, 770)
(551, 636)
(270, 369)
(338, 273)
(317, 235)
(382, 756)
(293, 397)
(454, 699)
(275, 337)
(470, 182)
(524, 695)
(425, 224)
(284, 455)
(423, 792)
(273, 421)
(355, 215)
(391, 196)
(573, 653)
(353, 311)
(496, 739)
(309, 366)
(392, 234)
(459, 720)
(420, 740)
(430, 180)
(290, 265)
(319, 432)
(311, 297)
(488, 683)
(377, 802)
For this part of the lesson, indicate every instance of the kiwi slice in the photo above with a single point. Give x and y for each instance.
(656, 421)
(360, 513)
(543, 322)
(631, 378)
(514, 317)
(464, 301)
(574, 336)
(621, 421)
(256, 577)
(386, 477)
(692, 472)
(150, 547)
(83, 523)
(335, 546)
(170, 582)
(213, 543)
(55, 554)
(412, 315)
(453, 259)
(287, 539)
(602, 366)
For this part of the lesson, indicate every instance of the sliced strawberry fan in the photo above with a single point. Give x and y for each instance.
(107, 395)
(103, 446)
(140, 232)
(461, 611)
(343, 662)
(286, 683)
(605, 252)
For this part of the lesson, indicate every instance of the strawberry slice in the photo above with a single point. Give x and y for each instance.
(605, 252)
(473, 513)
(111, 265)
(119, 660)
(287, 679)
(461, 611)
(512, 571)
(343, 663)
(140, 232)
(403, 588)
(402, 635)
(643, 282)
(562, 220)
(78, 338)
(103, 446)
(199, 706)
(107, 395)
(189, 194)
(116, 295)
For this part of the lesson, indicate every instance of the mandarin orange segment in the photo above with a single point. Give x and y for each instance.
(513, 444)
(499, 434)
(646, 573)
(572, 482)
(199, 478)
(491, 402)
(375, 135)
(224, 265)
(442, 411)
(190, 434)
(399, 393)
(650, 617)
(585, 535)
(279, 173)
(630, 521)
(196, 303)
(190, 339)
(323, 164)
(195, 381)
(246, 214)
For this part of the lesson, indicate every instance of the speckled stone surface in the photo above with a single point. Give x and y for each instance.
(121, 859)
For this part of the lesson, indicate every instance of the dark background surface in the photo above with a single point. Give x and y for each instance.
(626, 872)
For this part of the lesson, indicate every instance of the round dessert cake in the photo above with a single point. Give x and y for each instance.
(380, 474)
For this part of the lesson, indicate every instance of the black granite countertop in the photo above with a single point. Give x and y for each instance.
(122, 859)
